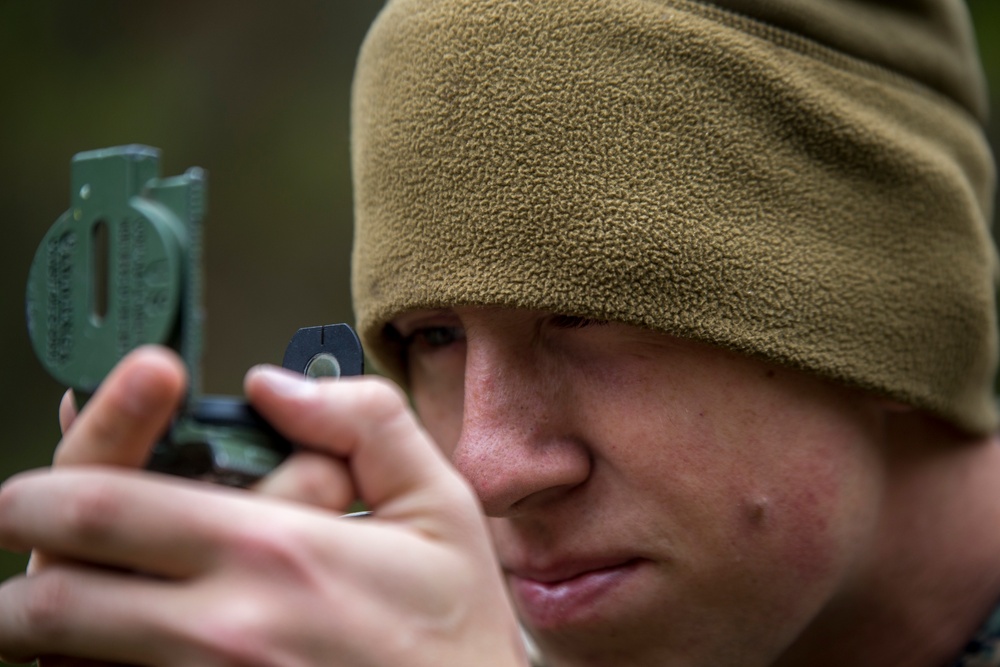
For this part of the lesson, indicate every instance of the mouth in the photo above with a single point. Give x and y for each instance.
(572, 593)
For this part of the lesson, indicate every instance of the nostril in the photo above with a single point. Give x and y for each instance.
(519, 470)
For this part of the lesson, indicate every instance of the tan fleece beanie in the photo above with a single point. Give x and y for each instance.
(804, 181)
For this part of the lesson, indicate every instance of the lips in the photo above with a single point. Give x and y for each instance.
(572, 593)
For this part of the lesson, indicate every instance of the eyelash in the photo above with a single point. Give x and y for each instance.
(574, 322)
(440, 336)
(434, 337)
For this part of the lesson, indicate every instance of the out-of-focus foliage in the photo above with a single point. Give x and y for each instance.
(256, 93)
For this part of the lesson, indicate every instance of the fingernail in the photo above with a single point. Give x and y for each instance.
(283, 382)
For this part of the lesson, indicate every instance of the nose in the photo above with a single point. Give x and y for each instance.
(519, 446)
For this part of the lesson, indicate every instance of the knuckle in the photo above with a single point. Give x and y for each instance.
(93, 511)
(383, 395)
(48, 599)
(242, 631)
(278, 551)
(389, 409)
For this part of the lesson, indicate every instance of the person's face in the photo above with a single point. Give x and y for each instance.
(655, 501)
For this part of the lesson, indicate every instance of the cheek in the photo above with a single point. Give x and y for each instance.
(795, 540)
(776, 507)
(800, 518)
(805, 517)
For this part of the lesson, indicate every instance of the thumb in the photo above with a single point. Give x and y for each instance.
(397, 470)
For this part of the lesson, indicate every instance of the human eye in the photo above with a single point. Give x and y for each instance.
(425, 333)
(434, 337)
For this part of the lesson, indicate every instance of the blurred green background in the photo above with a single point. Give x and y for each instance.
(254, 92)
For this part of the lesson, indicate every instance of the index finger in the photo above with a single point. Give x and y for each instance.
(397, 469)
(129, 411)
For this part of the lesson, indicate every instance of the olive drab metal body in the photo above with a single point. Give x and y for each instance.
(113, 270)
(122, 268)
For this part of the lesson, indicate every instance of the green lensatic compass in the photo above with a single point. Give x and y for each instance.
(122, 268)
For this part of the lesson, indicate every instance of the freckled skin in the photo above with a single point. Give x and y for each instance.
(745, 491)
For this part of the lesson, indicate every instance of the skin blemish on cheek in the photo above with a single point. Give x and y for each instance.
(758, 512)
